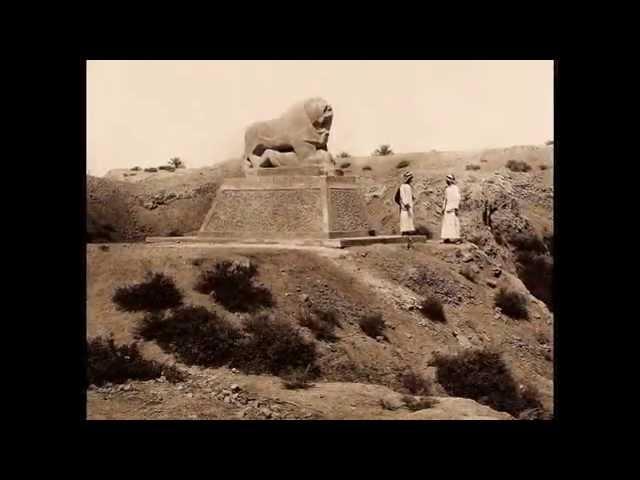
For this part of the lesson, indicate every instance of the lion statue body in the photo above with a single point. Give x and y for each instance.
(299, 135)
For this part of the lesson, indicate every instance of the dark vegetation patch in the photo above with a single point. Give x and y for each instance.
(417, 403)
(512, 303)
(518, 166)
(345, 165)
(151, 169)
(482, 375)
(111, 363)
(233, 285)
(415, 383)
(536, 272)
(157, 292)
(372, 325)
(274, 346)
(403, 164)
(195, 335)
(472, 166)
(367, 168)
(432, 308)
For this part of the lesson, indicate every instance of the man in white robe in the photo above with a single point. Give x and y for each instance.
(406, 205)
(450, 221)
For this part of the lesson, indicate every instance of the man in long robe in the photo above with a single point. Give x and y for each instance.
(406, 205)
(450, 221)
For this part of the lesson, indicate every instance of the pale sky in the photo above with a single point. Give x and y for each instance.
(145, 112)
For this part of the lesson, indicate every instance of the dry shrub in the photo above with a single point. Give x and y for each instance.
(344, 155)
(482, 375)
(372, 325)
(345, 165)
(417, 403)
(518, 166)
(194, 334)
(432, 308)
(107, 362)
(233, 285)
(483, 160)
(472, 166)
(403, 164)
(536, 272)
(274, 346)
(414, 383)
(527, 242)
(151, 169)
(367, 168)
(512, 303)
(543, 167)
(322, 322)
(157, 292)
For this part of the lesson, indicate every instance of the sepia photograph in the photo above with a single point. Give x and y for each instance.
(304, 240)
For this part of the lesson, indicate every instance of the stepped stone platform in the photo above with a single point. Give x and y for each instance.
(287, 203)
(308, 205)
(317, 242)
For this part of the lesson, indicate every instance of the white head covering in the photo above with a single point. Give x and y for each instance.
(451, 178)
(407, 175)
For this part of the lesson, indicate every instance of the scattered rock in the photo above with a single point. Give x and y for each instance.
(491, 283)
(380, 338)
(497, 271)
(363, 254)
(235, 370)
(235, 387)
(189, 395)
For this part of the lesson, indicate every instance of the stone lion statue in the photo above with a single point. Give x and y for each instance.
(298, 135)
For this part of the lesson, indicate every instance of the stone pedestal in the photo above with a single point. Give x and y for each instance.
(285, 204)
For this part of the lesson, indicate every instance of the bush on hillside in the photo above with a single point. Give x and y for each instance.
(322, 322)
(483, 376)
(403, 164)
(548, 142)
(415, 384)
(135, 169)
(527, 242)
(157, 292)
(367, 168)
(274, 346)
(431, 307)
(176, 162)
(151, 169)
(344, 155)
(108, 362)
(536, 272)
(233, 285)
(512, 303)
(472, 166)
(518, 166)
(372, 325)
(418, 403)
(345, 165)
(383, 150)
(483, 160)
(167, 168)
(195, 335)
(543, 166)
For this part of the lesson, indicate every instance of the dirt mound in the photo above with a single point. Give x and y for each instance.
(163, 204)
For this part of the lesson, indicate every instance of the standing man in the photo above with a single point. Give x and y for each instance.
(404, 197)
(450, 221)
